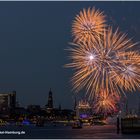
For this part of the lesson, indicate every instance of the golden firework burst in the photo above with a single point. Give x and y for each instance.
(88, 24)
(106, 103)
(108, 63)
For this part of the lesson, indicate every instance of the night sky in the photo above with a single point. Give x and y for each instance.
(33, 36)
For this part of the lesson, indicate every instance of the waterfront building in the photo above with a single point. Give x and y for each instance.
(83, 110)
(7, 100)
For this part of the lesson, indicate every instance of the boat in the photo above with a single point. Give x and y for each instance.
(76, 125)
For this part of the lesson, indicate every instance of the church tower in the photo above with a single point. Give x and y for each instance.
(50, 100)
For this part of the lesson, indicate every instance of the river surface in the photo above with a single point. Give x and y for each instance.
(63, 132)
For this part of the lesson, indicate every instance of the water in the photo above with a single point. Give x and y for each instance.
(65, 132)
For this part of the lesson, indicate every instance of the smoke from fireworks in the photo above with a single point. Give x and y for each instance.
(88, 25)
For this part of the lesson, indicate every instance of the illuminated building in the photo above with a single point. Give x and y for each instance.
(83, 110)
(7, 101)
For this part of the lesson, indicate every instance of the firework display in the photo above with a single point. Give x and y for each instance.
(106, 103)
(88, 25)
(105, 62)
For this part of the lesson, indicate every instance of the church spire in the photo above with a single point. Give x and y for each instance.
(50, 100)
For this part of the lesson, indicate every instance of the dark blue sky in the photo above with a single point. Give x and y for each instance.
(33, 36)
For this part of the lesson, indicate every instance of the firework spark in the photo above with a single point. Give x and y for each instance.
(106, 103)
(89, 24)
(106, 63)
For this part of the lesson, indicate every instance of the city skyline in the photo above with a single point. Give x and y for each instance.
(32, 44)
